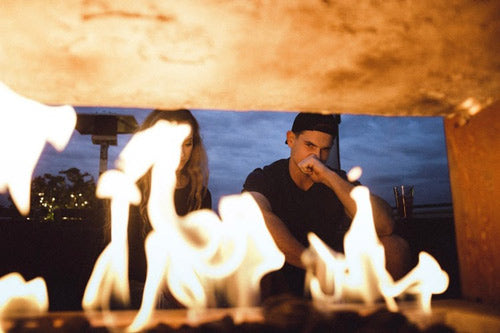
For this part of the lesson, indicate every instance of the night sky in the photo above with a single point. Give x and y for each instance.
(391, 150)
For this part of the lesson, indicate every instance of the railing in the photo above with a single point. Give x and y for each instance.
(438, 210)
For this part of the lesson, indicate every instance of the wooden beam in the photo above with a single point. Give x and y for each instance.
(474, 164)
(355, 57)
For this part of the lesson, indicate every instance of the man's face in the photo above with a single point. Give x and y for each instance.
(309, 143)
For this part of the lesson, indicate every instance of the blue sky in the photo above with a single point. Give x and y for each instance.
(391, 150)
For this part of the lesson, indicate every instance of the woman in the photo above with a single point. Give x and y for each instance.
(191, 193)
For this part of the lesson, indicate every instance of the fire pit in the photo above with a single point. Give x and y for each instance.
(424, 59)
(202, 258)
(284, 315)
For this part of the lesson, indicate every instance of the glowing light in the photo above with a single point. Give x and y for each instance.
(247, 251)
(424, 280)
(354, 174)
(360, 274)
(189, 255)
(471, 106)
(110, 275)
(25, 126)
(140, 154)
(21, 298)
(203, 255)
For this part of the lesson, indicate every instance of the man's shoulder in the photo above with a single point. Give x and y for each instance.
(276, 167)
(263, 179)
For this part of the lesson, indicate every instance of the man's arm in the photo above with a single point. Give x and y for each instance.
(320, 173)
(286, 242)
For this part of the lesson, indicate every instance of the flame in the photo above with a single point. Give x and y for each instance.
(260, 254)
(25, 126)
(471, 106)
(110, 275)
(195, 256)
(21, 298)
(207, 256)
(424, 280)
(360, 274)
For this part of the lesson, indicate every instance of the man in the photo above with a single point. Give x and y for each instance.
(301, 194)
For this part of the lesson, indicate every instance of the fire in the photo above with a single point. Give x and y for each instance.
(360, 274)
(195, 256)
(424, 280)
(21, 298)
(200, 255)
(25, 126)
(110, 275)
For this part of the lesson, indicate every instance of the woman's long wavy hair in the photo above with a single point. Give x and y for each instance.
(195, 169)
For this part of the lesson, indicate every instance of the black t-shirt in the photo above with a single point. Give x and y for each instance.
(316, 210)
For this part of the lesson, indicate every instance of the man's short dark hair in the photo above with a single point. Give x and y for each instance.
(316, 122)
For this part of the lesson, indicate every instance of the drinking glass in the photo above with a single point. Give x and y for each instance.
(403, 195)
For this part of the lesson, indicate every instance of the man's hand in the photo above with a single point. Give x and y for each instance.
(314, 168)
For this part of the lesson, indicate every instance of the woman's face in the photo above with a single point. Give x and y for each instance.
(186, 149)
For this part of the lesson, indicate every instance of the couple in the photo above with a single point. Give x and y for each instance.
(296, 195)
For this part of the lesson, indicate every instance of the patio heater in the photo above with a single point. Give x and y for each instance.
(104, 129)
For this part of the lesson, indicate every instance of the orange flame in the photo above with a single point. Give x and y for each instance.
(110, 275)
(360, 274)
(25, 126)
(21, 298)
(195, 255)
(204, 255)
(424, 280)
(198, 254)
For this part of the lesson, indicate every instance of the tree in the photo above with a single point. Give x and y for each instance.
(69, 190)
